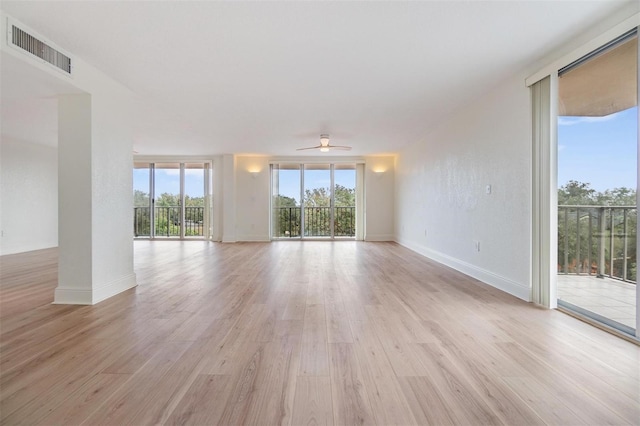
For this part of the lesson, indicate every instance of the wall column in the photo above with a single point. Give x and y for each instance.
(94, 199)
(228, 198)
(74, 200)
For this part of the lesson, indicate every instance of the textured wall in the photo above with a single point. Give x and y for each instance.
(442, 206)
(379, 200)
(29, 194)
(252, 198)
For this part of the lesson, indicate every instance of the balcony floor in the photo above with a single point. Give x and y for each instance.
(610, 298)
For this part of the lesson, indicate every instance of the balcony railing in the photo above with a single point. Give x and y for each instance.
(598, 240)
(287, 222)
(167, 221)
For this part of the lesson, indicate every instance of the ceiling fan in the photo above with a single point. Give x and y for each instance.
(325, 146)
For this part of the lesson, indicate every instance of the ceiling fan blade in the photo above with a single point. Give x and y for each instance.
(311, 147)
(340, 148)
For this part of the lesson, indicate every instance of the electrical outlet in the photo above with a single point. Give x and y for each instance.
(487, 189)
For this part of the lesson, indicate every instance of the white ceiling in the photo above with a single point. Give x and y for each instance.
(269, 77)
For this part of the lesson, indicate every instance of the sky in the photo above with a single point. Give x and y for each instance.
(601, 151)
(168, 180)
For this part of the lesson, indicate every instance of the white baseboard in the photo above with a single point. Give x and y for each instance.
(6, 250)
(379, 237)
(102, 292)
(72, 296)
(505, 284)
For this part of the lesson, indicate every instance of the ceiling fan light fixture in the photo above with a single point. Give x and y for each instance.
(325, 146)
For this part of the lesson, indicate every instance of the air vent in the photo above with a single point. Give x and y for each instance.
(42, 50)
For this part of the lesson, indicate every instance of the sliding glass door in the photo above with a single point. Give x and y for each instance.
(172, 200)
(344, 205)
(142, 184)
(313, 201)
(317, 200)
(167, 200)
(286, 209)
(195, 176)
(597, 185)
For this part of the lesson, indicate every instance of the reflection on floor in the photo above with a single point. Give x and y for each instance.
(610, 298)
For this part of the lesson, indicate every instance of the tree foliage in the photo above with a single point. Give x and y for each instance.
(587, 232)
(317, 213)
(167, 214)
(575, 193)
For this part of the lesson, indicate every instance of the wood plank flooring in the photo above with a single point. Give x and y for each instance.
(300, 333)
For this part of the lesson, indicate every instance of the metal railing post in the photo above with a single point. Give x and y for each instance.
(624, 250)
(611, 243)
(566, 242)
(597, 256)
(601, 226)
(578, 253)
(590, 240)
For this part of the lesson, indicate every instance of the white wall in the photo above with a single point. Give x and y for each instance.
(252, 198)
(29, 194)
(442, 207)
(379, 199)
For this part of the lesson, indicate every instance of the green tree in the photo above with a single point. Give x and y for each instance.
(287, 216)
(317, 197)
(344, 223)
(583, 230)
(345, 196)
(140, 198)
(141, 217)
(167, 200)
(576, 193)
(617, 197)
(317, 204)
(193, 201)
(284, 201)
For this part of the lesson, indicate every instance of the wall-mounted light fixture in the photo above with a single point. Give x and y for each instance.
(254, 171)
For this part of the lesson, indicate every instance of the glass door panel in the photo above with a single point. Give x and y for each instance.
(286, 208)
(194, 199)
(597, 179)
(167, 203)
(317, 203)
(344, 212)
(141, 200)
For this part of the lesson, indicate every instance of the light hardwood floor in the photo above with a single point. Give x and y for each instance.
(300, 333)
